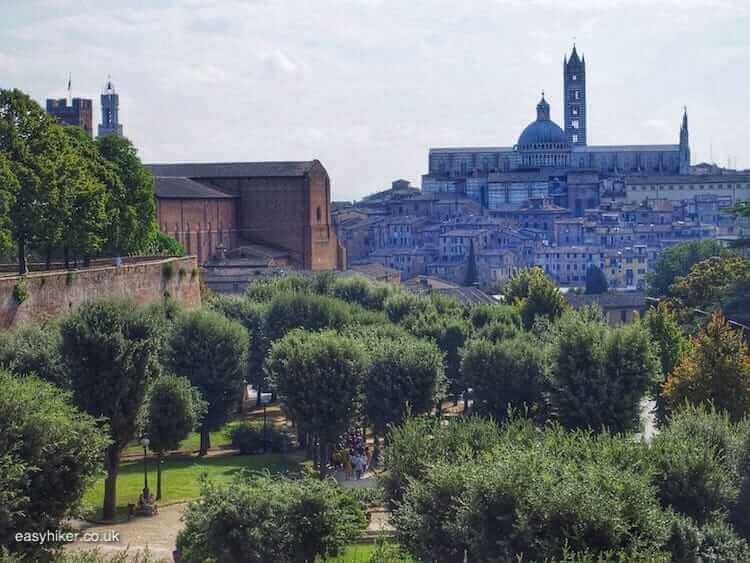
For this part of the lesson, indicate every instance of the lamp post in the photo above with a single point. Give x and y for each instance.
(145, 442)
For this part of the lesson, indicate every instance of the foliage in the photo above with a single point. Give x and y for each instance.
(420, 442)
(536, 495)
(598, 374)
(162, 244)
(252, 316)
(483, 315)
(358, 289)
(167, 271)
(508, 375)
(173, 409)
(288, 311)
(211, 352)
(670, 343)
(266, 289)
(710, 279)
(534, 294)
(716, 368)
(318, 377)
(20, 291)
(596, 281)
(404, 304)
(110, 349)
(261, 518)
(34, 349)
(9, 188)
(253, 438)
(405, 376)
(49, 454)
(132, 205)
(677, 261)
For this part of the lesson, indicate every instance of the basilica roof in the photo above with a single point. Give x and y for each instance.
(543, 130)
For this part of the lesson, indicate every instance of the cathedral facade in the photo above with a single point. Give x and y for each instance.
(549, 161)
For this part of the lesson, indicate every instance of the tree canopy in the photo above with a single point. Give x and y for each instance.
(677, 261)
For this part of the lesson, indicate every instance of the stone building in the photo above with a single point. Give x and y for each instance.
(284, 205)
(78, 113)
(549, 161)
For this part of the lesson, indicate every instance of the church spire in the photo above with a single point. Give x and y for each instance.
(684, 144)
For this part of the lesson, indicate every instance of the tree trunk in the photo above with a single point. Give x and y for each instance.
(112, 465)
(205, 441)
(23, 266)
(159, 457)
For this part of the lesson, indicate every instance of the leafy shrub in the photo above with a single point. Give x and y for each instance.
(413, 447)
(34, 349)
(536, 495)
(161, 244)
(259, 518)
(358, 289)
(402, 304)
(182, 272)
(20, 291)
(311, 312)
(696, 463)
(251, 438)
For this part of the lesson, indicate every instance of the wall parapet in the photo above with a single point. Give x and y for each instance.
(55, 293)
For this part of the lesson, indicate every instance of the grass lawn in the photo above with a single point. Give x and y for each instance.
(180, 477)
(357, 553)
(219, 438)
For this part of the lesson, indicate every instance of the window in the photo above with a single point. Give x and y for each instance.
(575, 124)
(317, 214)
(575, 138)
(574, 77)
(577, 94)
(574, 110)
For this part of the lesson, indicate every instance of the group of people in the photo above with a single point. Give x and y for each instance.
(352, 455)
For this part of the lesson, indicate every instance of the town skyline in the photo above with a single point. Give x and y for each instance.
(368, 98)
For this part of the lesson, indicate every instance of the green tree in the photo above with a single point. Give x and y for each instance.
(318, 377)
(50, 452)
(677, 261)
(670, 343)
(535, 295)
(259, 518)
(110, 349)
(35, 349)
(9, 188)
(596, 281)
(211, 351)
(710, 281)
(598, 375)
(288, 311)
(405, 376)
(32, 144)
(507, 375)
(252, 316)
(132, 204)
(716, 369)
(174, 408)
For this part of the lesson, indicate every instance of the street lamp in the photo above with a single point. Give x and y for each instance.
(145, 442)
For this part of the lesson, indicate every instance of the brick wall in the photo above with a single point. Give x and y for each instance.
(51, 294)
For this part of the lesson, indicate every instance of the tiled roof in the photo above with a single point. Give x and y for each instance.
(233, 169)
(185, 188)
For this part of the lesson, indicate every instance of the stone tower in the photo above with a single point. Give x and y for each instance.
(110, 111)
(575, 98)
(684, 145)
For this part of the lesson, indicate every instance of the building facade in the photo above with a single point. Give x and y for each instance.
(284, 205)
(550, 161)
(77, 113)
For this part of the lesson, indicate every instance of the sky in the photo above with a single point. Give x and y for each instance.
(368, 86)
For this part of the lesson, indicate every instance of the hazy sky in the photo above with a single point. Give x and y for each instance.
(367, 86)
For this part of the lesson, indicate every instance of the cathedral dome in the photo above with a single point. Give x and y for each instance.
(543, 130)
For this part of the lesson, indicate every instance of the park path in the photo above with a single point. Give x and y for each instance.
(156, 533)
